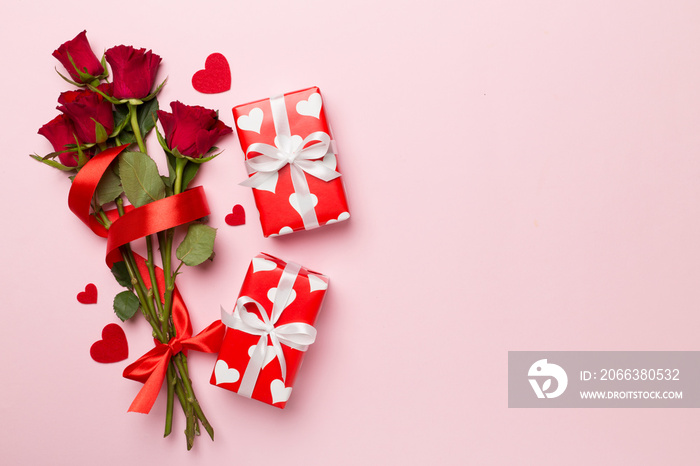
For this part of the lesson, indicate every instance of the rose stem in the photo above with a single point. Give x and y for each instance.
(135, 128)
(172, 378)
(169, 281)
(179, 169)
(149, 241)
(166, 243)
(181, 364)
(147, 308)
(152, 274)
(171, 401)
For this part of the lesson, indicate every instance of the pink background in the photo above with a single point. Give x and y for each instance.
(522, 175)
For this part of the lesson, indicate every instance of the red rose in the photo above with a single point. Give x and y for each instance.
(134, 71)
(60, 132)
(192, 130)
(85, 60)
(86, 108)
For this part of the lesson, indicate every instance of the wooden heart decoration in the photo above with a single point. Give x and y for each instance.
(113, 346)
(215, 77)
(89, 296)
(236, 217)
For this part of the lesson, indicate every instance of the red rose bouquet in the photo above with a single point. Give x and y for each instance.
(99, 138)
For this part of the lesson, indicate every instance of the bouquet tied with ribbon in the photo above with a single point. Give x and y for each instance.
(118, 192)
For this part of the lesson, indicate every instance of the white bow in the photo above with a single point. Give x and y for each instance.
(297, 335)
(293, 151)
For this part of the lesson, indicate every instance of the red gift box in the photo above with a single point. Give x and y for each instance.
(269, 330)
(291, 159)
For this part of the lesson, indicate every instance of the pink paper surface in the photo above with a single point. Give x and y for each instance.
(522, 176)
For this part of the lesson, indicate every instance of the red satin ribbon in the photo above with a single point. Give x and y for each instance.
(150, 369)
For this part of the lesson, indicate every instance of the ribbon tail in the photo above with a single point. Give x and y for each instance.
(266, 181)
(149, 369)
(252, 371)
(280, 355)
(304, 200)
(318, 170)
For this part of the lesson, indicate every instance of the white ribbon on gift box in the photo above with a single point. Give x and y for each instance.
(301, 159)
(297, 335)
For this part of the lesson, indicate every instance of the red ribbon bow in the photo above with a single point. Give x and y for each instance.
(150, 369)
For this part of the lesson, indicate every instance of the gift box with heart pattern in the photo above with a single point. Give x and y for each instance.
(274, 314)
(292, 162)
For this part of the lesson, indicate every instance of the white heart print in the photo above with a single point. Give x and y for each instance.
(279, 392)
(269, 354)
(311, 107)
(272, 292)
(264, 265)
(225, 375)
(252, 121)
(316, 284)
(341, 217)
(294, 201)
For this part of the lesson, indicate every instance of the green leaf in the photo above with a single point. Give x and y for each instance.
(121, 274)
(84, 76)
(121, 119)
(155, 93)
(189, 173)
(163, 144)
(82, 158)
(171, 166)
(110, 99)
(198, 244)
(52, 163)
(100, 132)
(140, 178)
(125, 305)
(70, 81)
(103, 62)
(201, 160)
(126, 136)
(109, 188)
(147, 115)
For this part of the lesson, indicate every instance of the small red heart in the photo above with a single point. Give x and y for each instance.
(236, 217)
(215, 77)
(112, 347)
(89, 296)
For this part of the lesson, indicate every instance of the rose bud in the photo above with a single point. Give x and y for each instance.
(60, 132)
(85, 67)
(90, 112)
(192, 130)
(134, 71)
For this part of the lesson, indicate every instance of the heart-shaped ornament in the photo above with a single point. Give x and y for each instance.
(279, 392)
(89, 296)
(215, 77)
(269, 354)
(113, 346)
(236, 217)
(224, 374)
